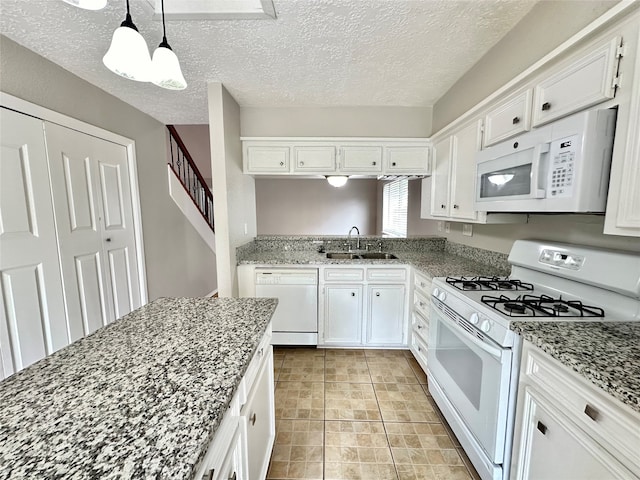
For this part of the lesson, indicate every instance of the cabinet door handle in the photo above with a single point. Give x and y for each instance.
(546, 106)
(591, 412)
(419, 349)
(456, 206)
(419, 327)
(377, 294)
(442, 205)
(516, 120)
(282, 164)
(353, 294)
(421, 304)
(107, 239)
(393, 164)
(301, 164)
(373, 163)
(209, 474)
(233, 477)
(542, 428)
(253, 419)
(261, 352)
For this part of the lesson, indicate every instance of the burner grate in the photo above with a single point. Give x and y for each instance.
(540, 306)
(488, 284)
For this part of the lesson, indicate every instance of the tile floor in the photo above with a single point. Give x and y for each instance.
(359, 414)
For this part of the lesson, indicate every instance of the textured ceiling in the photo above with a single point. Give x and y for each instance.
(317, 52)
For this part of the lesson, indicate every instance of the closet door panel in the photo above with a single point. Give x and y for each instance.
(91, 292)
(32, 313)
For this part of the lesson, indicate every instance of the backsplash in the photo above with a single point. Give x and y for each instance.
(311, 243)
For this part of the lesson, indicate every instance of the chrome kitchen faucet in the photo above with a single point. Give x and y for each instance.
(357, 238)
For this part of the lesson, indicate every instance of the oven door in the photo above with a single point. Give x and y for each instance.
(474, 375)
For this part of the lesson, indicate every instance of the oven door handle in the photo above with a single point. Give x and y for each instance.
(493, 351)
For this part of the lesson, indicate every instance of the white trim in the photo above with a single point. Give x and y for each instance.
(212, 293)
(184, 202)
(37, 111)
(611, 15)
(336, 139)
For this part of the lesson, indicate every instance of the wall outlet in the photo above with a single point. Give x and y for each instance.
(440, 226)
(246, 229)
(467, 230)
(447, 227)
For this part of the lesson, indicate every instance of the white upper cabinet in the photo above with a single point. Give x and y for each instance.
(585, 81)
(314, 158)
(463, 171)
(440, 177)
(508, 119)
(361, 158)
(326, 156)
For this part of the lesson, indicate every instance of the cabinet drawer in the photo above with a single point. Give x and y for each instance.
(361, 158)
(261, 353)
(266, 159)
(613, 425)
(422, 284)
(420, 326)
(421, 304)
(419, 350)
(386, 275)
(314, 158)
(508, 119)
(585, 82)
(413, 160)
(343, 274)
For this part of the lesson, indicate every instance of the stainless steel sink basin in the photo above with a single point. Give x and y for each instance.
(378, 256)
(343, 256)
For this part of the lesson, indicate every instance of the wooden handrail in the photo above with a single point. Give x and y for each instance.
(187, 155)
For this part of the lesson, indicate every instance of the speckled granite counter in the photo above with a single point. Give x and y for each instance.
(140, 398)
(605, 353)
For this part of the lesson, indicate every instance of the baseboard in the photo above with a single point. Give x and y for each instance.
(212, 294)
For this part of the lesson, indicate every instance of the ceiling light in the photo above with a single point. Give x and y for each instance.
(88, 4)
(165, 66)
(128, 55)
(337, 180)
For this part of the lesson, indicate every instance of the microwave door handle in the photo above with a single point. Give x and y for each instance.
(538, 151)
(493, 351)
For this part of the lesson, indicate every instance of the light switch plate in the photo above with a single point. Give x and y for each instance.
(467, 230)
(447, 227)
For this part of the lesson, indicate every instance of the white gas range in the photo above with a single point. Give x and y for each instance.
(473, 356)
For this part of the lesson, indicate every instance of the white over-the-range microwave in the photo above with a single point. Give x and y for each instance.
(560, 167)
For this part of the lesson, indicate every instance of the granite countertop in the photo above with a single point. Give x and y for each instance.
(432, 264)
(605, 353)
(140, 398)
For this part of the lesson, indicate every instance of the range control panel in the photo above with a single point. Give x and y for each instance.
(561, 259)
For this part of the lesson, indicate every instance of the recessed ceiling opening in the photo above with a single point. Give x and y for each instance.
(214, 9)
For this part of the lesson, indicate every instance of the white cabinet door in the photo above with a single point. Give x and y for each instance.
(407, 159)
(463, 171)
(342, 314)
(32, 314)
(586, 81)
(510, 118)
(386, 321)
(267, 159)
(94, 215)
(258, 415)
(360, 158)
(440, 178)
(552, 447)
(314, 158)
(232, 464)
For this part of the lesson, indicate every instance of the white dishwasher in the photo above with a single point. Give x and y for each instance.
(295, 321)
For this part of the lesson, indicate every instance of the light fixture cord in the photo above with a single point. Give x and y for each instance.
(128, 14)
(164, 28)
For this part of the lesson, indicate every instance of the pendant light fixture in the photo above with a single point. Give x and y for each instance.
(337, 180)
(88, 4)
(165, 66)
(128, 55)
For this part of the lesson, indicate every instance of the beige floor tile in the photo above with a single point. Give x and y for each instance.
(277, 366)
(417, 371)
(345, 353)
(346, 369)
(404, 403)
(303, 352)
(302, 367)
(357, 450)
(382, 353)
(298, 450)
(415, 472)
(391, 370)
(300, 400)
(351, 401)
(447, 472)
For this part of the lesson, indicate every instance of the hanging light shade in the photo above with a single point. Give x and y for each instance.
(337, 180)
(128, 55)
(88, 4)
(165, 67)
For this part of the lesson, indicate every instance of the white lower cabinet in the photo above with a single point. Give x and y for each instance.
(363, 306)
(241, 447)
(567, 428)
(420, 317)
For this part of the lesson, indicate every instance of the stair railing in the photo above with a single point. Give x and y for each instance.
(187, 172)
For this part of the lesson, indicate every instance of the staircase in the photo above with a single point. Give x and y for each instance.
(194, 198)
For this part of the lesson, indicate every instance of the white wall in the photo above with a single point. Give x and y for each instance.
(178, 262)
(234, 200)
(292, 206)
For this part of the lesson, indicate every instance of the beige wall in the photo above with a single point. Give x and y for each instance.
(336, 122)
(178, 262)
(313, 207)
(234, 200)
(196, 139)
(547, 25)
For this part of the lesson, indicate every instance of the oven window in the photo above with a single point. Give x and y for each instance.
(505, 183)
(461, 363)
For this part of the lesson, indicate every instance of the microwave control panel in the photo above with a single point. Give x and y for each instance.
(562, 169)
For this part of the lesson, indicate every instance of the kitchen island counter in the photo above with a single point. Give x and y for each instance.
(605, 353)
(140, 398)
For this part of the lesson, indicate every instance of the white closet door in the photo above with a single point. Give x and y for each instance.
(92, 202)
(32, 314)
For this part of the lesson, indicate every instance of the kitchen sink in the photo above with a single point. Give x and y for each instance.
(378, 256)
(343, 256)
